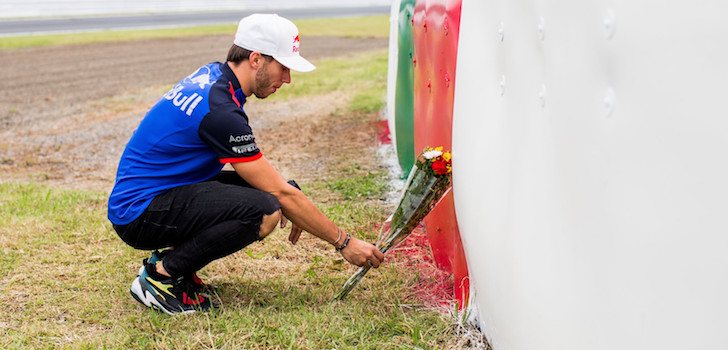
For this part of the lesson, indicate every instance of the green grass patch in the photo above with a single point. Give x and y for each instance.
(366, 26)
(38, 202)
(70, 288)
(112, 36)
(366, 73)
(371, 185)
(369, 100)
(363, 26)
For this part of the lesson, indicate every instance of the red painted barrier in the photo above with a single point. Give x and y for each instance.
(436, 24)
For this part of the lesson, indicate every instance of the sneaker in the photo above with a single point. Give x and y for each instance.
(169, 295)
(196, 280)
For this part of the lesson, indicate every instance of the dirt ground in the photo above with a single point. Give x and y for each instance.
(67, 112)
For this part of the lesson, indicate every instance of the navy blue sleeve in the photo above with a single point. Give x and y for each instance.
(225, 129)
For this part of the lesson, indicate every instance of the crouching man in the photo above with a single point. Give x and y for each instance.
(170, 191)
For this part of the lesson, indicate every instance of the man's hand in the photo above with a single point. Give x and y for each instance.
(361, 253)
(295, 230)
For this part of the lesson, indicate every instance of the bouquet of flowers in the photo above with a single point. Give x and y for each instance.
(427, 184)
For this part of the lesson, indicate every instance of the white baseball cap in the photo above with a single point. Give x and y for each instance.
(275, 36)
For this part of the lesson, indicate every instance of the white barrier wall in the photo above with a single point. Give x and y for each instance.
(392, 69)
(590, 172)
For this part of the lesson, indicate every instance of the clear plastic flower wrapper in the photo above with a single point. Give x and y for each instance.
(427, 184)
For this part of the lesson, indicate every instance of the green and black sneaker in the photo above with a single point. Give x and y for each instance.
(157, 255)
(169, 295)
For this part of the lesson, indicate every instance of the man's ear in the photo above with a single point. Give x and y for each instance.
(254, 59)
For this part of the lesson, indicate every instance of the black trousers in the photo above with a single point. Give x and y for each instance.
(203, 222)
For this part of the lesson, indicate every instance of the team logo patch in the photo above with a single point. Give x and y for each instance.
(201, 77)
(296, 43)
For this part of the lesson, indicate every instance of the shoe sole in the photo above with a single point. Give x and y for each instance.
(146, 299)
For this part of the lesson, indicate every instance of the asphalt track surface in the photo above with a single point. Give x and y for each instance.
(87, 24)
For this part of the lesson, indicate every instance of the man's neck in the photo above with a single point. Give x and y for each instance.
(243, 76)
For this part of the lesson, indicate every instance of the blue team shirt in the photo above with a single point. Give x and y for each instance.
(186, 138)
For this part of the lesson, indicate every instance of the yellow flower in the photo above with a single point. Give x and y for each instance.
(438, 148)
(446, 156)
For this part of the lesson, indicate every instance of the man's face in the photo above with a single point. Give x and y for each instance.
(270, 77)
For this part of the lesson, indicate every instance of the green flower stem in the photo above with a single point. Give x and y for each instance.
(423, 191)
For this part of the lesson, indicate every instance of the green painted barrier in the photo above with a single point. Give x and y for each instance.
(404, 94)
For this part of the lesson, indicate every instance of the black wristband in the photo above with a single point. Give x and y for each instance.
(346, 242)
(294, 184)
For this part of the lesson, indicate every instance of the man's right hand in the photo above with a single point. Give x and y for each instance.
(361, 253)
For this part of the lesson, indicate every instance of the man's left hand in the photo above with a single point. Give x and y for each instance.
(295, 230)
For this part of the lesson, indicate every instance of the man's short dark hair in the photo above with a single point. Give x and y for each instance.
(237, 54)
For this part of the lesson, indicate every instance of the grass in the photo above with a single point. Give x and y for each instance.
(67, 282)
(357, 184)
(64, 274)
(368, 71)
(365, 26)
